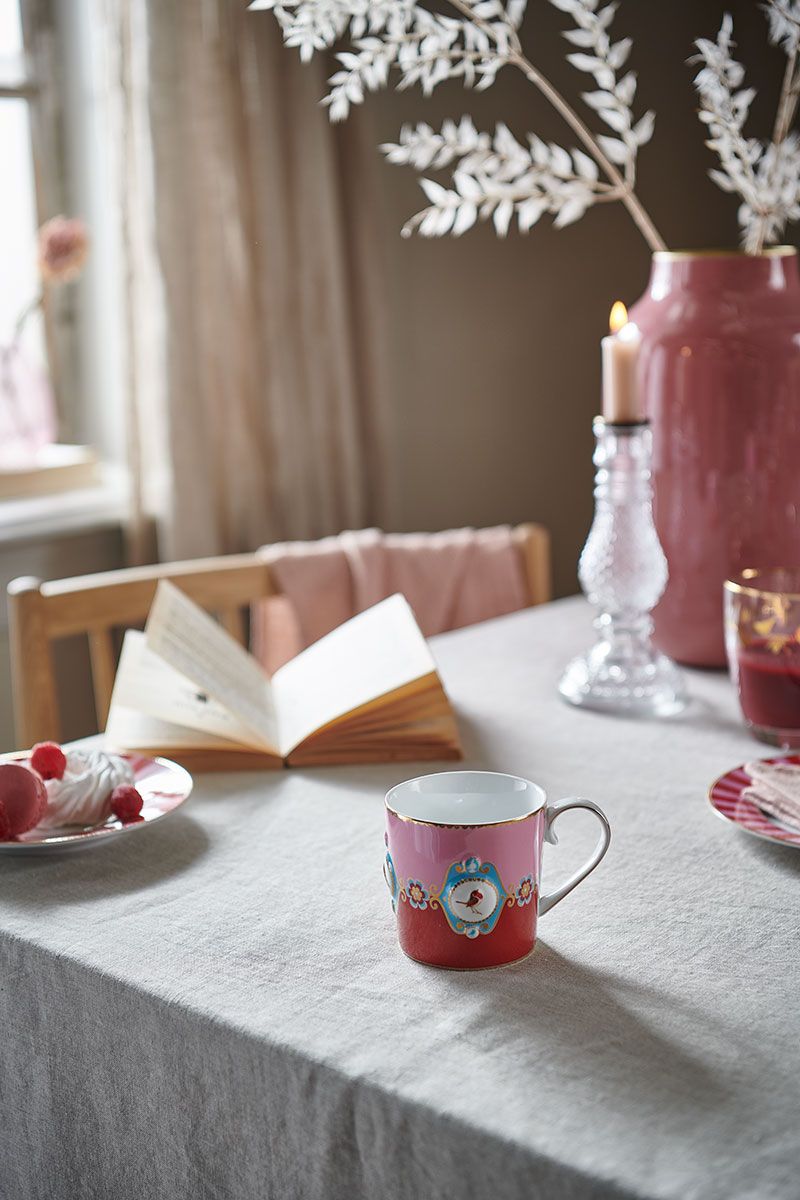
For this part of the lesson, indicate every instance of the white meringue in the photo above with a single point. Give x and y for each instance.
(83, 796)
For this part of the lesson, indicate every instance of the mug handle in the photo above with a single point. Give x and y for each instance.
(551, 813)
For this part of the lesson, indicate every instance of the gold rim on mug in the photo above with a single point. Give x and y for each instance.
(462, 825)
(753, 589)
(474, 825)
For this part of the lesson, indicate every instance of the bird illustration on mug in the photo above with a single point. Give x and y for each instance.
(472, 903)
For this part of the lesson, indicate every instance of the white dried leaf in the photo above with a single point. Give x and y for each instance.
(541, 154)
(585, 166)
(529, 212)
(502, 217)
(618, 54)
(584, 62)
(722, 180)
(614, 149)
(626, 89)
(643, 129)
(598, 100)
(465, 218)
(616, 119)
(466, 185)
(434, 191)
(560, 161)
(580, 37)
(573, 210)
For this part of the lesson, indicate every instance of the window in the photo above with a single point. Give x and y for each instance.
(56, 156)
(18, 205)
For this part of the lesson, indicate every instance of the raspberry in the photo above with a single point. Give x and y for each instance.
(126, 802)
(48, 760)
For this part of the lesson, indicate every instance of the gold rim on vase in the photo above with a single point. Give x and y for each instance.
(678, 255)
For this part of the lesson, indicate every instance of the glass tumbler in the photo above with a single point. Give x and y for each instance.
(762, 638)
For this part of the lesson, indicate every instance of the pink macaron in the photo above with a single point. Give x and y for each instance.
(23, 799)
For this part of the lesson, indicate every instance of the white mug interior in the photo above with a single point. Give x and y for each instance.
(465, 798)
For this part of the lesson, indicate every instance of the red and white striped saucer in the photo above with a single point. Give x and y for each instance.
(725, 797)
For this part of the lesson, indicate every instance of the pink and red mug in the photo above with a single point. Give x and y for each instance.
(463, 864)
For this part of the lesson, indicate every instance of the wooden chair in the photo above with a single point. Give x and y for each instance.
(98, 605)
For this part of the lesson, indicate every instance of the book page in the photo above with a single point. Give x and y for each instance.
(375, 653)
(192, 642)
(148, 686)
(128, 729)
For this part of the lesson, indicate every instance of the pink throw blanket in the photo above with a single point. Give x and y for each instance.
(450, 580)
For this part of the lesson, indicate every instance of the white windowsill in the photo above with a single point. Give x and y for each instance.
(32, 518)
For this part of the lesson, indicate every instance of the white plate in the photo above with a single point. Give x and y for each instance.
(162, 784)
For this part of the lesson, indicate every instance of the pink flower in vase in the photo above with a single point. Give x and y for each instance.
(27, 408)
(63, 248)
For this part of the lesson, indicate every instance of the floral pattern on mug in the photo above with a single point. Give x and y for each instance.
(417, 894)
(526, 890)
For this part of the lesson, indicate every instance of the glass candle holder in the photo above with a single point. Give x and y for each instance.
(762, 637)
(623, 572)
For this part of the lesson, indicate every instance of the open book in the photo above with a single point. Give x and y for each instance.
(367, 692)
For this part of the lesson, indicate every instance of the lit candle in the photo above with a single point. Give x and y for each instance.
(620, 359)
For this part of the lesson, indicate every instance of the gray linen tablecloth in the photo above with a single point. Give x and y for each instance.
(217, 1008)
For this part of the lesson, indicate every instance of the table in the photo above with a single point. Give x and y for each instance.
(217, 1008)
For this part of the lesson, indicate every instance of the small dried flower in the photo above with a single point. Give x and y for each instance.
(63, 248)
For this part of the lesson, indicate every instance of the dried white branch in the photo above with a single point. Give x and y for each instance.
(495, 176)
(603, 59)
(320, 24)
(766, 176)
(784, 24)
(426, 47)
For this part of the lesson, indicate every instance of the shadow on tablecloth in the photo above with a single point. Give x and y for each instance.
(625, 1033)
(130, 864)
(785, 858)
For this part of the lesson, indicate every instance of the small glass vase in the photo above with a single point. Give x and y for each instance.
(27, 409)
(623, 573)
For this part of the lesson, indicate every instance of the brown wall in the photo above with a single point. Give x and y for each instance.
(495, 344)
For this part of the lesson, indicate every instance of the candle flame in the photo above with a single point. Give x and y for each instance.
(618, 316)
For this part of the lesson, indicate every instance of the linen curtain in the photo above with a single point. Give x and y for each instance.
(252, 291)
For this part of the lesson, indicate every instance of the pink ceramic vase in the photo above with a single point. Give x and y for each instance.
(720, 370)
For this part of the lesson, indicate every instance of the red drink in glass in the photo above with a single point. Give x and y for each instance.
(762, 626)
(769, 686)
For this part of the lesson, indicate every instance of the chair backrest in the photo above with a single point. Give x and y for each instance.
(533, 543)
(98, 605)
